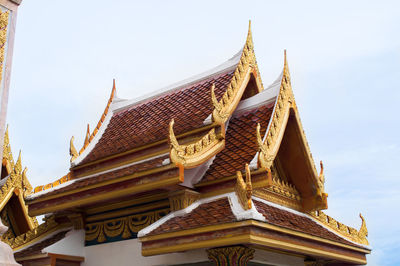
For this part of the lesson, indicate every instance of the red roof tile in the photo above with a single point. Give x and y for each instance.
(148, 122)
(241, 143)
(296, 222)
(79, 183)
(215, 212)
(219, 212)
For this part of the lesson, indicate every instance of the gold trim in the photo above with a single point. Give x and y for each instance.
(122, 226)
(106, 196)
(207, 127)
(232, 255)
(234, 91)
(35, 235)
(74, 154)
(194, 154)
(248, 239)
(212, 228)
(348, 232)
(17, 181)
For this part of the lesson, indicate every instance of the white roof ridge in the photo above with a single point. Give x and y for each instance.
(227, 65)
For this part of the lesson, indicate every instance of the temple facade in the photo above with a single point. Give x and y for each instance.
(212, 170)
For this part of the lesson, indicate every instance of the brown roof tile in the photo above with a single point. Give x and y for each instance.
(110, 175)
(219, 212)
(241, 144)
(148, 121)
(215, 212)
(296, 222)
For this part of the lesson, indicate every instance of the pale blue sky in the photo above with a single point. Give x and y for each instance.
(343, 56)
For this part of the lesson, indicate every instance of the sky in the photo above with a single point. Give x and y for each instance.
(344, 59)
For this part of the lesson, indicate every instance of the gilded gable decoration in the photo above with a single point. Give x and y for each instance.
(234, 91)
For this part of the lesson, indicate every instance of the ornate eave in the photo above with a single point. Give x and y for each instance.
(194, 154)
(174, 233)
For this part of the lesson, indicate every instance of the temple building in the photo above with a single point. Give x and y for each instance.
(212, 170)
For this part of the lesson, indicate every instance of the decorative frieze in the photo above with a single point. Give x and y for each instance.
(121, 228)
(231, 256)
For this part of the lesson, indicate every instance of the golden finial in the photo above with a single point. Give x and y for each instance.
(72, 151)
(249, 39)
(244, 189)
(18, 164)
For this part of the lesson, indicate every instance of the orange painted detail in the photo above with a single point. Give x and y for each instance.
(89, 137)
(60, 181)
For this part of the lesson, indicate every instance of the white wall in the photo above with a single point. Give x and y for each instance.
(73, 244)
(128, 252)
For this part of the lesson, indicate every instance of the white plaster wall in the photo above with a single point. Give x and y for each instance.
(278, 259)
(128, 252)
(72, 244)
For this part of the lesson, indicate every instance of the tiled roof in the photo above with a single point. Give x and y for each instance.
(220, 212)
(148, 122)
(279, 217)
(39, 246)
(79, 183)
(215, 212)
(241, 142)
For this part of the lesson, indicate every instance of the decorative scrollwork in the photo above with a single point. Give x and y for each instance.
(123, 227)
(243, 189)
(193, 154)
(359, 236)
(233, 255)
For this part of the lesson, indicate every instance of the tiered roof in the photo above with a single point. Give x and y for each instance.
(190, 144)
